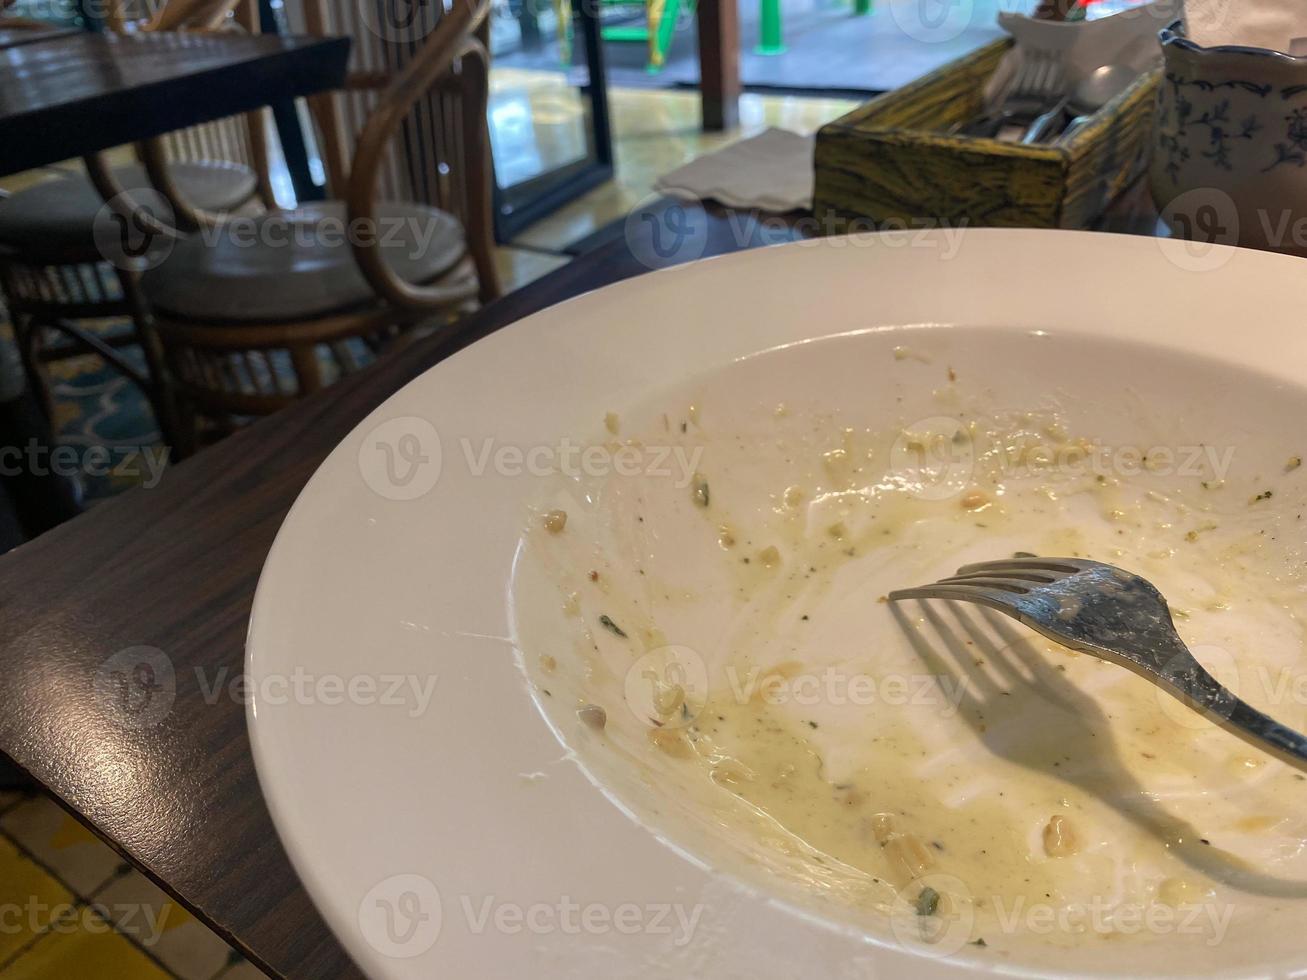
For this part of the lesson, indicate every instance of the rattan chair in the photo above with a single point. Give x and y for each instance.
(255, 315)
(56, 280)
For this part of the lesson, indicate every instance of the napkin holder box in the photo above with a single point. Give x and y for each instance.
(892, 164)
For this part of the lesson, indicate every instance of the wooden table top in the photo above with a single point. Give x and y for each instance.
(12, 37)
(175, 567)
(82, 93)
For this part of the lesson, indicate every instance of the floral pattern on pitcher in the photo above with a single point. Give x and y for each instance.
(1178, 114)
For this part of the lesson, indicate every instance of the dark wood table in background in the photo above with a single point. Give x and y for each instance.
(75, 94)
(12, 37)
(67, 94)
(175, 567)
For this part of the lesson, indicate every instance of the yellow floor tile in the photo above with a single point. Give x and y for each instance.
(244, 970)
(81, 860)
(142, 911)
(84, 947)
(29, 900)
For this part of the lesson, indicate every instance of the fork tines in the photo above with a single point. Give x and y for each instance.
(1007, 577)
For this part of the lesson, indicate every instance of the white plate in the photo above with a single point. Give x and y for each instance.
(411, 819)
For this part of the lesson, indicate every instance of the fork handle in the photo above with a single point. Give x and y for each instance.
(1204, 693)
(1266, 733)
(1172, 666)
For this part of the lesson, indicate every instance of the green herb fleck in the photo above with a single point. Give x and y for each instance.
(979, 942)
(612, 627)
(927, 901)
(701, 493)
(1264, 495)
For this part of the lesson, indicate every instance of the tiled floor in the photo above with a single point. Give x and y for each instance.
(654, 131)
(69, 906)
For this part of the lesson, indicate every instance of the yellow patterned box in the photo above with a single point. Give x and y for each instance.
(892, 160)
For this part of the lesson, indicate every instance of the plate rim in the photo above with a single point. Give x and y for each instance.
(266, 754)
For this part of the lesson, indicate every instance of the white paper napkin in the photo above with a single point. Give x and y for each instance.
(1273, 24)
(772, 171)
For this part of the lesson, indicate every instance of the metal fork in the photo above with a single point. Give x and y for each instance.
(1119, 617)
(1039, 82)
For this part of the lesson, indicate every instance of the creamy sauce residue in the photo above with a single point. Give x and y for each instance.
(718, 620)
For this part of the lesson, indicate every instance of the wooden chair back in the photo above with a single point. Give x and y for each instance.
(232, 371)
(240, 139)
(125, 16)
(380, 49)
(425, 70)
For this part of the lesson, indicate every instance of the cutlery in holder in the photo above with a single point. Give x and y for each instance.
(894, 163)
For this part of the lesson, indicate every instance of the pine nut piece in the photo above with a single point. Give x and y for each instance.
(672, 741)
(593, 716)
(1060, 838)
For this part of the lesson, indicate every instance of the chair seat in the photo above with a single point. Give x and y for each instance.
(58, 216)
(295, 265)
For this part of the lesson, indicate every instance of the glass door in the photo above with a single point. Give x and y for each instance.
(548, 108)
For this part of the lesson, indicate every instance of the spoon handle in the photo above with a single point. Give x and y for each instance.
(1074, 127)
(1044, 124)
